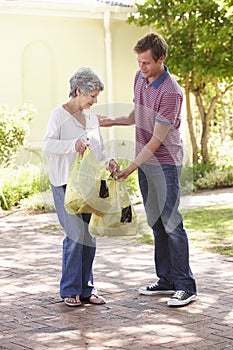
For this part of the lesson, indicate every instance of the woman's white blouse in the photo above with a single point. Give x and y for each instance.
(62, 132)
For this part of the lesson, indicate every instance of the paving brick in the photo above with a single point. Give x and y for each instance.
(33, 317)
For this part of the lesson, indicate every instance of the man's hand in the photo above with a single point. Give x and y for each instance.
(124, 173)
(119, 120)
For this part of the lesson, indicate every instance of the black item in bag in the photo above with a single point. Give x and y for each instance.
(126, 214)
(104, 193)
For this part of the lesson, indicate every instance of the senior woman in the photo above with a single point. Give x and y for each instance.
(71, 128)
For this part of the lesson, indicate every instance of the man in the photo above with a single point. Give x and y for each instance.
(159, 155)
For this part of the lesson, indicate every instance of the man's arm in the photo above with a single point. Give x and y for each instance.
(159, 133)
(120, 121)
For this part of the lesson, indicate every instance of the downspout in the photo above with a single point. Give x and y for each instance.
(108, 56)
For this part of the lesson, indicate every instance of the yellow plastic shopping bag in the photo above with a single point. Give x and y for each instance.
(120, 219)
(87, 187)
(75, 201)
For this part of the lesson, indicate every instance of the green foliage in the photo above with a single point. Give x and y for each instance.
(218, 178)
(200, 170)
(14, 127)
(221, 133)
(19, 183)
(131, 183)
(199, 34)
(206, 176)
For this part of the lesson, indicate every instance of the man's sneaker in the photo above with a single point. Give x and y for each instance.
(154, 289)
(181, 298)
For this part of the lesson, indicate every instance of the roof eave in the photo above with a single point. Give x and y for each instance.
(62, 9)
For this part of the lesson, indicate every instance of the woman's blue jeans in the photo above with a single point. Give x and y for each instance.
(78, 250)
(160, 188)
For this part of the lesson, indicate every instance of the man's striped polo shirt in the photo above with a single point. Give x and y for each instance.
(159, 101)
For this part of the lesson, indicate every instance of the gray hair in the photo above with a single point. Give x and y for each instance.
(86, 80)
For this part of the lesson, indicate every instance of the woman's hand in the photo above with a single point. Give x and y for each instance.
(113, 167)
(81, 146)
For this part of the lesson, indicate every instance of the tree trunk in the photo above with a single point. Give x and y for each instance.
(204, 140)
(205, 127)
(206, 117)
(190, 121)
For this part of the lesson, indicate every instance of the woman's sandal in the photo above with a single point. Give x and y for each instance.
(94, 299)
(73, 300)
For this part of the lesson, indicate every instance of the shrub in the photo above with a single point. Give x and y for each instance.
(200, 170)
(14, 128)
(20, 182)
(206, 176)
(39, 201)
(216, 178)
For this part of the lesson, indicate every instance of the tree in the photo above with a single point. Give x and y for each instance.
(199, 35)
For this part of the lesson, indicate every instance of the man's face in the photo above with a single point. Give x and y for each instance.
(150, 68)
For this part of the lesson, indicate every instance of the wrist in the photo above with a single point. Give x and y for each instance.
(132, 167)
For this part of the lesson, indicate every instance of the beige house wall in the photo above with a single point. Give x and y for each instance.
(39, 53)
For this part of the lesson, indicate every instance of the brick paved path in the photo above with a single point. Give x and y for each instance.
(32, 315)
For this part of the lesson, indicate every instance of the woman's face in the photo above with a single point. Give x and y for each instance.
(86, 101)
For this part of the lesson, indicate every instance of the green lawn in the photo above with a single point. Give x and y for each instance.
(209, 228)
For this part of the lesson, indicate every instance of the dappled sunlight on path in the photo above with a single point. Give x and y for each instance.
(34, 317)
